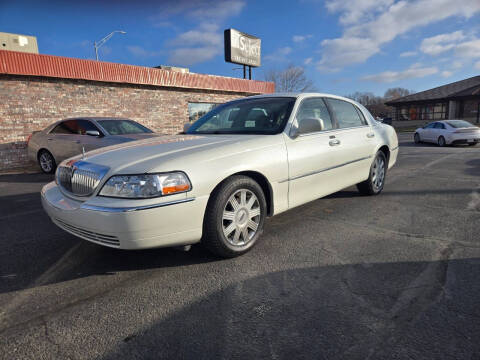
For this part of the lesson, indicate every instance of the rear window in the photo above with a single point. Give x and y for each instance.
(123, 127)
(459, 123)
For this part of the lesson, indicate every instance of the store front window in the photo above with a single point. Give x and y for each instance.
(470, 111)
(436, 111)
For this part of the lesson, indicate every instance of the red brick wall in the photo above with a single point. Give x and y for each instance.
(31, 103)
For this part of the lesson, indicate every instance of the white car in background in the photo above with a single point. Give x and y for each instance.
(241, 162)
(448, 132)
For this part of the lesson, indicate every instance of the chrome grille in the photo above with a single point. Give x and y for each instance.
(80, 178)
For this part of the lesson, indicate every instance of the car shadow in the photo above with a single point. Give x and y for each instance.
(374, 310)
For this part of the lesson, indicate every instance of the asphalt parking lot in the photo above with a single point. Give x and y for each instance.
(344, 277)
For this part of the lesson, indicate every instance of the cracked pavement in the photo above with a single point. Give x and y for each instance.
(345, 277)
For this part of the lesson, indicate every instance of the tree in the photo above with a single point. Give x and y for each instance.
(365, 98)
(290, 79)
(395, 93)
(374, 104)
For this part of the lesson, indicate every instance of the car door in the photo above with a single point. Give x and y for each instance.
(428, 132)
(437, 131)
(90, 142)
(313, 155)
(357, 142)
(63, 141)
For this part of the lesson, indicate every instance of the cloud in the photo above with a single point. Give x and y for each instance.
(205, 41)
(139, 51)
(354, 11)
(279, 54)
(446, 73)
(205, 35)
(408, 53)
(218, 9)
(301, 38)
(477, 65)
(190, 56)
(198, 10)
(414, 71)
(371, 27)
(438, 44)
(468, 49)
(308, 61)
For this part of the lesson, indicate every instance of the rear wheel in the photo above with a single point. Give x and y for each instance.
(441, 141)
(234, 217)
(46, 162)
(374, 184)
(416, 138)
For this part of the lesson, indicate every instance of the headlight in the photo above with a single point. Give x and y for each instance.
(146, 186)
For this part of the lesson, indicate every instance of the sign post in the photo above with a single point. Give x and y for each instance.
(243, 49)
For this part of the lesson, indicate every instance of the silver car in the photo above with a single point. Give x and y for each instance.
(70, 137)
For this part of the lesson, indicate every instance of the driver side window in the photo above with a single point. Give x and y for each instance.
(314, 112)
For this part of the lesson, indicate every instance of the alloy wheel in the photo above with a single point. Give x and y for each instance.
(378, 173)
(241, 217)
(46, 162)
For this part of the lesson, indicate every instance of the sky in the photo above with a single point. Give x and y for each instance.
(343, 45)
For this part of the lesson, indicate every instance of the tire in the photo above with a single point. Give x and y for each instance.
(46, 161)
(235, 209)
(416, 138)
(472, 144)
(376, 180)
(441, 141)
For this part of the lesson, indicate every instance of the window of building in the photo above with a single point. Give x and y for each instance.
(436, 111)
(197, 110)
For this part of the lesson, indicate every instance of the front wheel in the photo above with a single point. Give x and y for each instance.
(234, 217)
(374, 184)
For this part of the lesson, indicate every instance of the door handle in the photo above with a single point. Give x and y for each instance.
(334, 142)
(49, 139)
(371, 135)
(77, 141)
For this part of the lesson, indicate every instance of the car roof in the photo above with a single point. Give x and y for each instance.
(302, 95)
(96, 118)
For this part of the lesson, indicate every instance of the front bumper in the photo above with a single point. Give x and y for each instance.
(167, 223)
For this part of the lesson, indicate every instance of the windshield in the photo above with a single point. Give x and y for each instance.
(247, 116)
(459, 124)
(123, 127)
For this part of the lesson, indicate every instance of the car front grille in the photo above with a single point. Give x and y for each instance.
(102, 239)
(80, 178)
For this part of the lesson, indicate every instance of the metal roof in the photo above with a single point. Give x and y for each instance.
(17, 63)
(467, 87)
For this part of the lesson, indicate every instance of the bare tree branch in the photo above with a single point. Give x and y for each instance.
(290, 79)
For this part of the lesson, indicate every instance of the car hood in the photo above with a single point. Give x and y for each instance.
(142, 155)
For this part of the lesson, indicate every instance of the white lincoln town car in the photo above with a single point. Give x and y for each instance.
(216, 183)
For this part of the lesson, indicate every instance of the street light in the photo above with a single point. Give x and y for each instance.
(96, 45)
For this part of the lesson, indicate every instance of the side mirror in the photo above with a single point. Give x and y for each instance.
(186, 126)
(92, 133)
(305, 126)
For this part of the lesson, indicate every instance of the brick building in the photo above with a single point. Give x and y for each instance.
(457, 100)
(36, 90)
